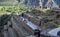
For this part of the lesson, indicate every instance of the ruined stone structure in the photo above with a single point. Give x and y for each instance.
(34, 23)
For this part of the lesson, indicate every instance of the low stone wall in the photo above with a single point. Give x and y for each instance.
(35, 21)
(18, 31)
(24, 25)
(25, 15)
(32, 19)
(27, 27)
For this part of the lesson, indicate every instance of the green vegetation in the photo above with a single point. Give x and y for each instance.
(9, 9)
(58, 25)
(48, 10)
(4, 4)
(2, 12)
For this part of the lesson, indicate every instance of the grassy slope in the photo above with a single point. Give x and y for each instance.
(3, 11)
(16, 9)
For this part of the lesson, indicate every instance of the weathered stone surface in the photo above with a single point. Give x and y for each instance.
(35, 21)
(24, 25)
(32, 19)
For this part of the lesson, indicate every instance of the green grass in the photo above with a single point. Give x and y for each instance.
(3, 12)
(4, 4)
(58, 25)
(10, 9)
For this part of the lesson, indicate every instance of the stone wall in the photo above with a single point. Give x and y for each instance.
(24, 25)
(32, 19)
